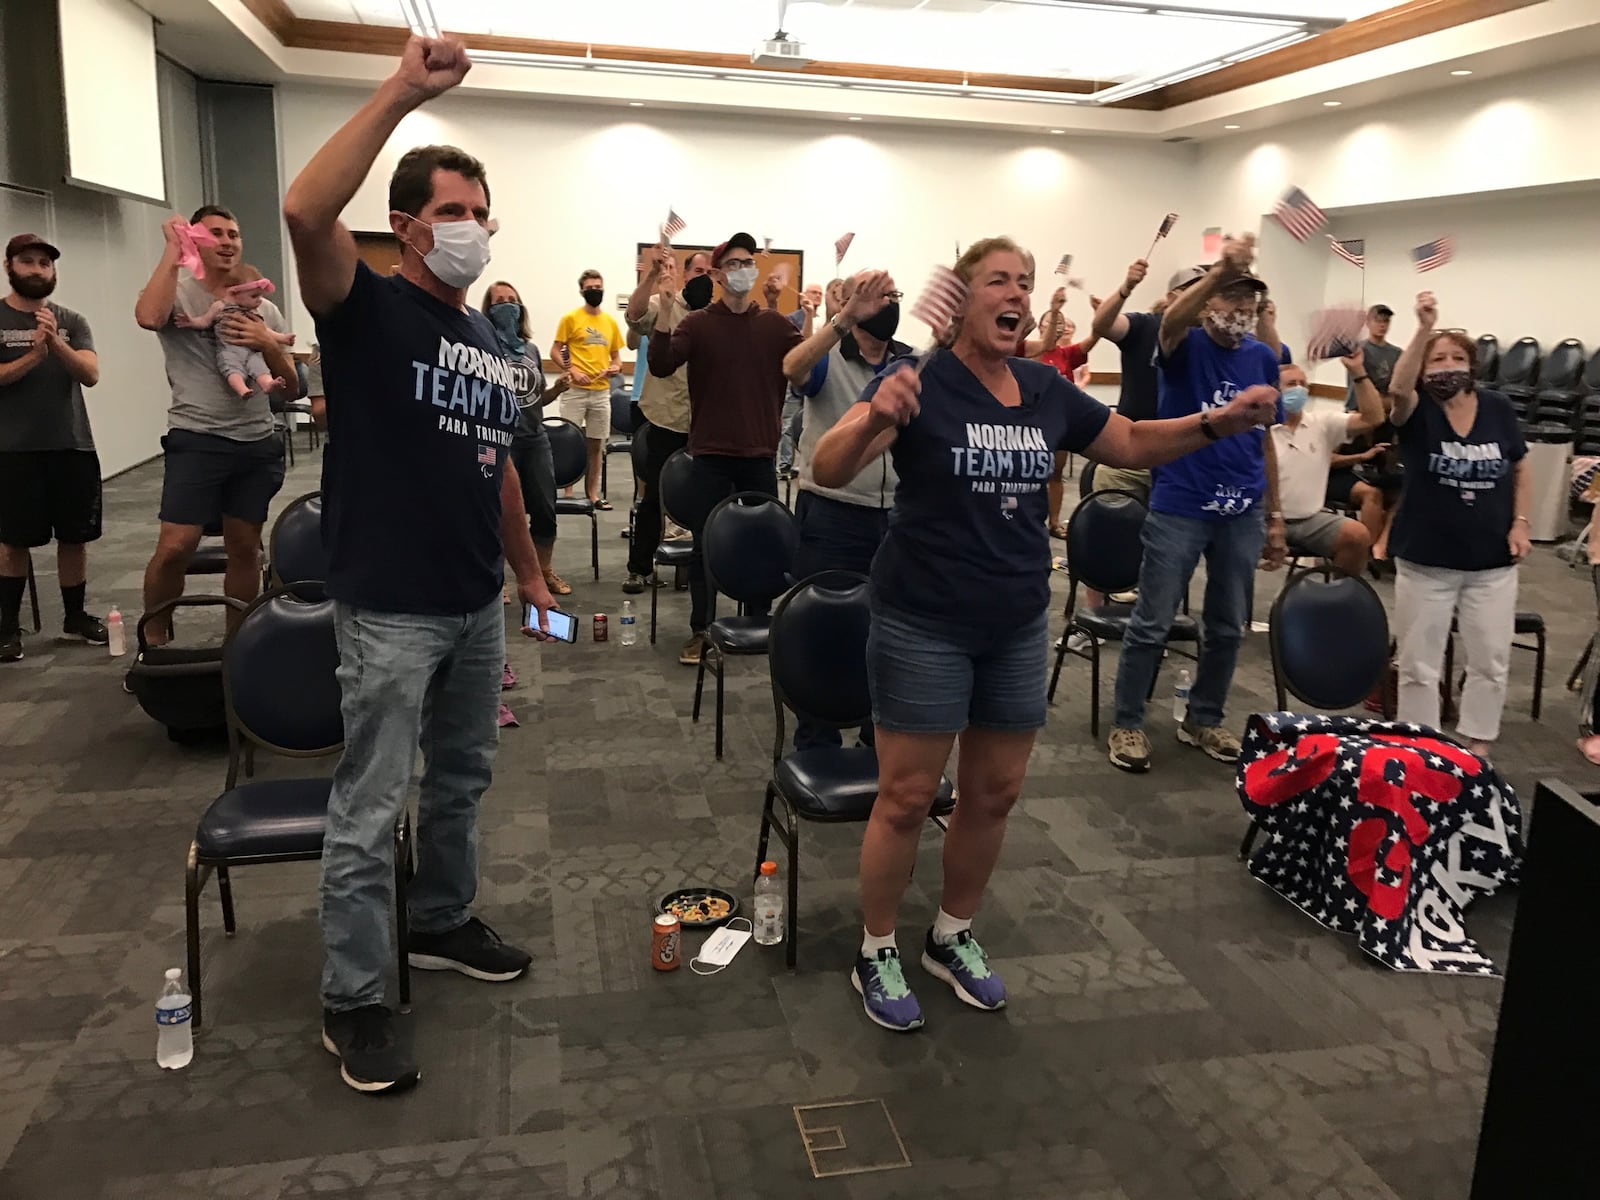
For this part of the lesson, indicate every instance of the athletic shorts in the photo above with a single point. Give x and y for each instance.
(208, 477)
(49, 495)
(1315, 534)
(931, 676)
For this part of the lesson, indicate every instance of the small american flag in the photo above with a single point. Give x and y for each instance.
(673, 226)
(1334, 332)
(1434, 254)
(1064, 265)
(841, 246)
(1298, 214)
(1167, 223)
(1352, 250)
(766, 245)
(1211, 243)
(944, 296)
(486, 455)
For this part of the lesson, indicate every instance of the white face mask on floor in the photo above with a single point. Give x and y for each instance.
(721, 946)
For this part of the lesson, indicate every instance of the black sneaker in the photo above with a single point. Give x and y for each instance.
(636, 584)
(473, 949)
(81, 627)
(11, 644)
(371, 1058)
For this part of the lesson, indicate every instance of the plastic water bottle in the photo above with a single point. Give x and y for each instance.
(628, 624)
(768, 917)
(1180, 698)
(117, 636)
(174, 1034)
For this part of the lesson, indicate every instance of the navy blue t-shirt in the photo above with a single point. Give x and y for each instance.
(1139, 387)
(420, 417)
(1226, 477)
(1460, 493)
(967, 538)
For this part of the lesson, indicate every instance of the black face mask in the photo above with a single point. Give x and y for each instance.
(882, 323)
(697, 292)
(593, 296)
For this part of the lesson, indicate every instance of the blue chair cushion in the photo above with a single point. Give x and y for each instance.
(574, 506)
(672, 554)
(1109, 622)
(740, 635)
(266, 817)
(839, 783)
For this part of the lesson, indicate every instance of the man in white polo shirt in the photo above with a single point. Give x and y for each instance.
(1306, 442)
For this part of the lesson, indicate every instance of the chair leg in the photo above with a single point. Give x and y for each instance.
(191, 907)
(594, 544)
(605, 475)
(1061, 657)
(766, 831)
(225, 893)
(700, 681)
(655, 602)
(1575, 680)
(1249, 840)
(792, 952)
(1094, 685)
(722, 667)
(33, 595)
(402, 873)
(1538, 673)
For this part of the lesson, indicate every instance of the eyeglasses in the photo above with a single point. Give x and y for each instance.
(737, 264)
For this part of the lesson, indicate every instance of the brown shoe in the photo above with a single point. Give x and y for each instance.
(689, 656)
(557, 585)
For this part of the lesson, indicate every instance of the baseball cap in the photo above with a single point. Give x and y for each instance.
(29, 241)
(739, 241)
(1234, 279)
(1380, 310)
(1184, 277)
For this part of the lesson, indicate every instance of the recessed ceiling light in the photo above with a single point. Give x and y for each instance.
(635, 103)
(1461, 72)
(1058, 131)
(1332, 103)
(1230, 127)
(852, 118)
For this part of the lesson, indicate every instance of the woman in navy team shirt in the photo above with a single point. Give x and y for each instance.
(1460, 530)
(960, 592)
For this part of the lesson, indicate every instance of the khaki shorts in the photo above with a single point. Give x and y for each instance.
(589, 411)
(1314, 535)
(1121, 479)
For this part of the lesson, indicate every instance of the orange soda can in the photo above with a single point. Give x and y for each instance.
(664, 943)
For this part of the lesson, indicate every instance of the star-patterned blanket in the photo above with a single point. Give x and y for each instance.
(1380, 829)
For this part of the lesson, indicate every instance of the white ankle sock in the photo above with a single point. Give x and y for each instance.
(871, 944)
(946, 927)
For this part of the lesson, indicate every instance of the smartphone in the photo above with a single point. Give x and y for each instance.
(563, 625)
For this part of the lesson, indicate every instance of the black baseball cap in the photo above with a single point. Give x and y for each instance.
(1232, 280)
(739, 241)
(1380, 310)
(30, 241)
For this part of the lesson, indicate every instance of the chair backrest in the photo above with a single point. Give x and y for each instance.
(624, 412)
(678, 492)
(748, 548)
(1104, 549)
(280, 677)
(1518, 364)
(1563, 366)
(1488, 356)
(569, 451)
(1591, 373)
(1329, 639)
(817, 651)
(298, 559)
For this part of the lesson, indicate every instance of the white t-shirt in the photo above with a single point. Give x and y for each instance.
(1304, 455)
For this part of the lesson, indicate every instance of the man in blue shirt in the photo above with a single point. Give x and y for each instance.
(421, 510)
(1207, 503)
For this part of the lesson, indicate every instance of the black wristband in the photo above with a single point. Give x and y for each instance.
(1359, 378)
(1207, 428)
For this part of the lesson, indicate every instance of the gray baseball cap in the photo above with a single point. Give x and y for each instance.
(1185, 277)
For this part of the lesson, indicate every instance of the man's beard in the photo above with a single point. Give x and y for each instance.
(31, 286)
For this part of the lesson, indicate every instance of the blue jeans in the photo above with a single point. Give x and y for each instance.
(834, 536)
(405, 679)
(1172, 548)
(794, 408)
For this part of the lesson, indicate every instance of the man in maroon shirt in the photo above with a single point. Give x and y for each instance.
(734, 350)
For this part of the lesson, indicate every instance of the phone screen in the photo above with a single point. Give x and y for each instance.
(563, 626)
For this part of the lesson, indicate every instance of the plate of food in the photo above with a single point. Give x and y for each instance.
(699, 907)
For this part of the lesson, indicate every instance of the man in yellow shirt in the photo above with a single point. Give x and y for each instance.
(588, 344)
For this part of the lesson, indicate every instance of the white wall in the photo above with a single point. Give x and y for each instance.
(578, 187)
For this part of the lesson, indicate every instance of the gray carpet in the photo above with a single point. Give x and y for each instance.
(1174, 1029)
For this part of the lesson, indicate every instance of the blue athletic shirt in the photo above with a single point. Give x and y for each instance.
(1224, 478)
(421, 413)
(967, 538)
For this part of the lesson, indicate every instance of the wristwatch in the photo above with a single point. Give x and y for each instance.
(838, 326)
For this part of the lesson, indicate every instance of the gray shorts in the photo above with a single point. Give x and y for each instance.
(1123, 479)
(1315, 534)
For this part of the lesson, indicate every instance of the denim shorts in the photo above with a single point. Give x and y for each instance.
(932, 676)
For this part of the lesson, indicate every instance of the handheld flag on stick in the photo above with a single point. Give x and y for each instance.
(1211, 244)
(841, 246)
(1352, 250)
(766, 245)
(1334, 332)
(1434, 254)
(673, 226)
(1166, 228)
(942, 299)
(1298, 214)
(1064, 265)
(1075, 281)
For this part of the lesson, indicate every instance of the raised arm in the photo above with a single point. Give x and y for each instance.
(1108, 319)
(867, 430)
(868, 295)
(670, 343)
(1369, 412)
(1403, 383)
(153, 308)
(1182, 313)
(324, 251)
(660, 270)
(1267, 328)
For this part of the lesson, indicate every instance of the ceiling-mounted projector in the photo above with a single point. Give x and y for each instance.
(780, 51)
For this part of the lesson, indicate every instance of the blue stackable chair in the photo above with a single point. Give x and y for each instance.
(297, 560)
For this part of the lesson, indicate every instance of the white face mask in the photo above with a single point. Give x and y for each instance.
(460, 252)
(740, 280)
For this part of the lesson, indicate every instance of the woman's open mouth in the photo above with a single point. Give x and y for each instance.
(1009, 321)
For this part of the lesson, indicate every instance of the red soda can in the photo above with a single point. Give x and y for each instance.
(601, 632)
(664, 943)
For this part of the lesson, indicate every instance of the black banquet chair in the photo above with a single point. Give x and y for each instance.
(1487, 357)
(1561, 387)
(569, 453)
(1104, 552)
(678, 506)
(817, 653)
(296, 558)
(748, 550)
(1328, 635)
(1519, 367)
(624, 420)
(281, 695)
